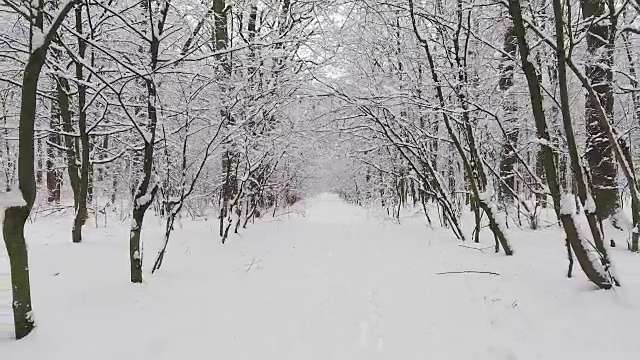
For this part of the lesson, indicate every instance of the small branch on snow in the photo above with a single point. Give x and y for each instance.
(468, 272)
(476, 248)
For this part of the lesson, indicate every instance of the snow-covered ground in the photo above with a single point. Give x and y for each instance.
(330, 281)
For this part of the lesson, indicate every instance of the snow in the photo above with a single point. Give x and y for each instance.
(567, 207)
(590, 205)
(6, 316)
(486, 196)
(567, 204)
(635, 25)
(543, 142)
(622, 221)
(11, 199)
(144, 200)
(586, 240)
(37, 39)
(323, 280)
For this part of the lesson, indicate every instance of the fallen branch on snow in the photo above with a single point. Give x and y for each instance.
(468, 272)
(476, 248)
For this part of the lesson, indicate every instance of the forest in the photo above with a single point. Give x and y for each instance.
(504, 130)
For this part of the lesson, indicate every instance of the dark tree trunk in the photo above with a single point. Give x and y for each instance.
(508, 159)
(7, 163)
(16, 216)
(634, 82)
(146, 191)
(81, 209)
(54, 175)
(580, 179)
(230, 155)
(40, 167)
(599, 152)
(569, 225)
(473, 168)
(63, 91)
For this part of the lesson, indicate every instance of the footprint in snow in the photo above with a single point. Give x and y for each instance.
(370, 327)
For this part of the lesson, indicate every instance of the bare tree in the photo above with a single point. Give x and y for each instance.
(16, 213)
(562, 205)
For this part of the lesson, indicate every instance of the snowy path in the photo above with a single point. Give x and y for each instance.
(334, 284)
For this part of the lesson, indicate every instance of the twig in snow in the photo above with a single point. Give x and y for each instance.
(468, 272)
(476, 248)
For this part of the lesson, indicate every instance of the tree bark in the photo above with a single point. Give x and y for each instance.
(569, 225)
(508, 159)
(54, 175)
(580, 179)
(599, 153)
(81, 208)
(473, 168)
(16, 216)
(230, 156)
(63, 90)
(146, 191)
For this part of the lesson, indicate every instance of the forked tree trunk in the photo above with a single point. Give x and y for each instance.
(146, 190)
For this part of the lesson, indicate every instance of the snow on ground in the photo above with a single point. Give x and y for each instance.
(331, 282)
(6, 316)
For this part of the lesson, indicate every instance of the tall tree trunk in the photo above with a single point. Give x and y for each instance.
(17, 214)
(39, 161)
(473, 168)
(81, 209)
(63, 90)
(147, 190)
(599, 153)
(580, 179)
(230, 156)
(54, 176)
(635, 96)
(591, 269)
(8, 165)
(509, 108)
(634, 81)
